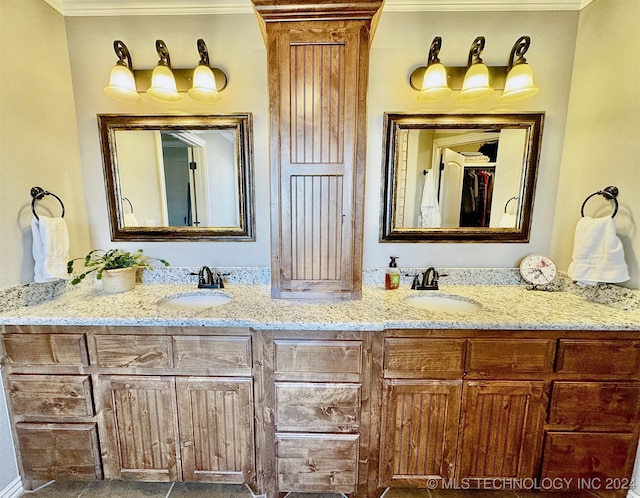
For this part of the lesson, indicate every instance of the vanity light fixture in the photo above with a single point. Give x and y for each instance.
(204, 82)
(475, 80)
(519, 83)
(434, 84)
(164, 83)
(122, 84)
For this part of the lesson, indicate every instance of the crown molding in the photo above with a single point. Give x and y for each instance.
(77, 8)
(73, 8)
(482, 5)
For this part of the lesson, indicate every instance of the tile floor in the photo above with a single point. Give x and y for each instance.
(122, 489)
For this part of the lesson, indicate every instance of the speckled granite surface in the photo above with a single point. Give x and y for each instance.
(502, 307)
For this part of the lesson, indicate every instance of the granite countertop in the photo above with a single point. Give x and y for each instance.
(502, 307)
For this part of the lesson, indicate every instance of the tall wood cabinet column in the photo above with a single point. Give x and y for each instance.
(318, 57)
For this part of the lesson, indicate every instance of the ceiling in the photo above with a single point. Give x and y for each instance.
(184, 7)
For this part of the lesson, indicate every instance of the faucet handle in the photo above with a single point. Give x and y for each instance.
(416, 281)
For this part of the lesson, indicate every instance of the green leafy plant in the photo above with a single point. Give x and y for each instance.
(99, 260)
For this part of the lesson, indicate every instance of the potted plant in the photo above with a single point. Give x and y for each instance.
(116, 268)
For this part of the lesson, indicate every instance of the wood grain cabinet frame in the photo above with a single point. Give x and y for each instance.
(318, 58)
(348, 412)
(174, 429)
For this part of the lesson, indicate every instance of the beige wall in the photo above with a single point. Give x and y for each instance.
(236, 46)
(42, 114)
(39, 144)
(401, 43)
(602, 143)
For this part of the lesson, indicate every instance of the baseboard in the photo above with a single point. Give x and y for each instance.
(14, 489)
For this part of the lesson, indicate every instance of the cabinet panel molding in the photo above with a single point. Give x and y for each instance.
(423, 358)
(317, 407)
(589, 405)
(51, 451)
(223, 355)
(140, 419)
(599, 357)
(571, 457)
(216, 429)
(56, 396)
(501, 429)
(45, 349)
(419, 431)
(133, 351)
(488, 357)
(324, 463)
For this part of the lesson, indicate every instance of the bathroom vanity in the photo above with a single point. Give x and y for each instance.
(347, 397)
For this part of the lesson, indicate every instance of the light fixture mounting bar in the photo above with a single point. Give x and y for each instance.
(183, 77)
(455, 77)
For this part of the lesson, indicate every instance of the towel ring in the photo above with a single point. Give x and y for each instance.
(507, 203)
(128, 202)
(610, 193)
(38, 193)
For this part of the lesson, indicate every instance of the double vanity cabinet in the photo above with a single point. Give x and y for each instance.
(350, 412)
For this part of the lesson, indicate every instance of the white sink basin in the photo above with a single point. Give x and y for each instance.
(194, 300)
(434, 301)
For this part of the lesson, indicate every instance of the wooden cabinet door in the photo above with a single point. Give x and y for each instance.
(317, 83)
(317, 463)
(216, 429)
(581, 460)
(141, 428)
(501, 429)
(59, 451)
(419, 432)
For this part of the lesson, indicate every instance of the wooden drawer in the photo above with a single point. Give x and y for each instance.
(220, 355)
(599, 357)
(317, 360)
(46, 349)
(423, 358)
(133, 351)
(59, 451)
(319, 463)
(315, 407)
(585, 405)
(51, 396)
(510, 356)
(571, 458)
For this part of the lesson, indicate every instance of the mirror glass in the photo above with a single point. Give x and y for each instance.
(178, 176)
(459, 177)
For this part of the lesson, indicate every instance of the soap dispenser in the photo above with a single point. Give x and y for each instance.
(392, 276)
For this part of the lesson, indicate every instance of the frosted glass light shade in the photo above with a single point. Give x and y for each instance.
(519, 84)
(122, 85)
(163, 86)
(434, 84)
(204, 85)
(476, 83)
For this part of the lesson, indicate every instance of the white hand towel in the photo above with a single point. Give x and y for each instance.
(130, 220)
(507, 221)
(50, 248)
(598, 255)
(429, 208)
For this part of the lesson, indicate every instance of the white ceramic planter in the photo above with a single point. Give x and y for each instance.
(119, 280)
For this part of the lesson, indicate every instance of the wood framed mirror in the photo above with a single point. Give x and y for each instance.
(459, 177)
(179, 177)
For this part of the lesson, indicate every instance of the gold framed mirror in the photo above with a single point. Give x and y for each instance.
(459, 177)
(176, 177)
